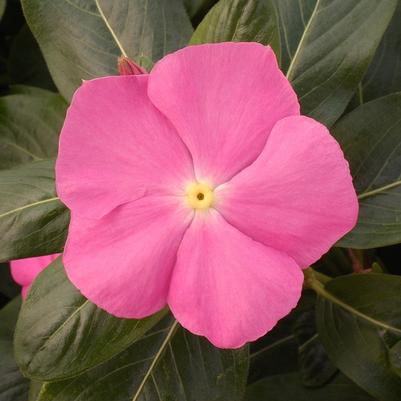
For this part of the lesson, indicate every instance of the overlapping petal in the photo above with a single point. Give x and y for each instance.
(115, 147)
(223, 100)
(297, 197)
(24, 271)
(229, 288)
(123, 261)
(225, 116)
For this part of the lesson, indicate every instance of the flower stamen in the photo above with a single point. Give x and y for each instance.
(199, 195)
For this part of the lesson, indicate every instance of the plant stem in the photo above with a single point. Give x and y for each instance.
(312, 276)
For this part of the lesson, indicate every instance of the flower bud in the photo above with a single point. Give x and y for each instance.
(128, 67)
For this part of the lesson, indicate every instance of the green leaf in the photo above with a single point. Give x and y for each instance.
(240, 21)
(274, 353)
(384, 74)
(289, 388)
(370, 138)
(3, 4)
(293, 17)
(168, 363)
(197, 7)
(34, 390)
(32, 219)
(315, 368)
(337, 42)
(293, 345)
(26, 64)
(13, 386)
(30, 123)
(277, 352)
(82, 39)
(60, 333)
(358, 316)
(149, 29)
(8, 286)
(9, 316)
(336, 262)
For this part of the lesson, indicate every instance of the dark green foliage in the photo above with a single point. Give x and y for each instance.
(13, 386)
(343, 340)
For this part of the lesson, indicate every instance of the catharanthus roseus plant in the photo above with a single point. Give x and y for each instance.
(217, 186)
(200, 186)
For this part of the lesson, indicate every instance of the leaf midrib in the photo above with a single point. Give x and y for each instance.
(55, 332)
(379, 190)
(19, 209)
(20, 148)
(156, 359)
(334, 300)
(301, 41)
(111, 30)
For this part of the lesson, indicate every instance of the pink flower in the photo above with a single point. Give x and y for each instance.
(200, 186)
(24, 271)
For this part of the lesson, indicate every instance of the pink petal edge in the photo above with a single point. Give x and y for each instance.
(229, 288)
(123, 262)
(298, 196)
(223, 99)
(24, 271)
(115, 147)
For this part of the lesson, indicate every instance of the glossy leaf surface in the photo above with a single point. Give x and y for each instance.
(324, 68)
(359, 324)
(168, 363)
(240, 21)
(370, 137)
(57, 327)
(82, 39)
(32, 219)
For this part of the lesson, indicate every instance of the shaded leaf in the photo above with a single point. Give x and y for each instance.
(336, 262)
(240, 21)
(82, 39)
(148, 30)
(34, 390)
(26, 64)
(384, 74)
(370, 137)
(196, 8)
(356, 316)
(30, 122)
(277, 351)
(2, 7)
(8, 286)
(33, 221)
(13, 386)
(168, 363)
(325, 69)
(289, 387)
(315, 368)
(12, 20)
(57, 326)
(390, 259)
(293, 17)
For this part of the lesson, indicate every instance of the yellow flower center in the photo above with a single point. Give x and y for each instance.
(199, 195)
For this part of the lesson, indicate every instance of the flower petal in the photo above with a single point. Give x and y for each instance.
(115, 146)
(123, 261)
(224, 100)
(24, 271)
(25, 291)
(229, 288)
(298, 196)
